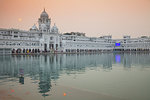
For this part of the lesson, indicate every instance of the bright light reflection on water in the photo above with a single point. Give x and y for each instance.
(112, 76)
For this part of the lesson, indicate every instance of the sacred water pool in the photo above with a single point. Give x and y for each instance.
(106, 76)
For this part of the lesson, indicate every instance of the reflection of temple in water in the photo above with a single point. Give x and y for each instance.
(48, 68)
(44, 77)
(69, 63)
(45, 81)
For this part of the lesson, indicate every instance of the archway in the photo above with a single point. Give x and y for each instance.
(13, 51)
(32, 50)
(35, 50)
(24, 51)
(27, 51)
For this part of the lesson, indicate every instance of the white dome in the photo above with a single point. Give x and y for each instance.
(54, 29)
(44, 14)
(33, 28)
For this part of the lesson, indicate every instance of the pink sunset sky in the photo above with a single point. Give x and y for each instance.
(93, 17)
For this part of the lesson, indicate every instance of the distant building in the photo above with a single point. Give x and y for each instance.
(45, 38)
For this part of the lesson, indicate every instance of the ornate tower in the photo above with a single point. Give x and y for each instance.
(44, 22)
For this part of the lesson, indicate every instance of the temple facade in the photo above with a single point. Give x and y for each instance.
(47, 38)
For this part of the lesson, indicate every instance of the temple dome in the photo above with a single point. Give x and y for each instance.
(44, 14)
(34, 28)
(54, 29)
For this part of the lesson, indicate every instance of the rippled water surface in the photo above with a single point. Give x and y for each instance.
(109, 76)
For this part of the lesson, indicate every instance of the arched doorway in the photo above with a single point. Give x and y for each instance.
(24, 51)
(45, 47)
(13, 51)
(35, 50)
(32, 50)
(27, 51)
(38, 50)
(18, 50)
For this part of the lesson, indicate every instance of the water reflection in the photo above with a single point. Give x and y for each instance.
(118, 59)
(48, 68)
(45, 81)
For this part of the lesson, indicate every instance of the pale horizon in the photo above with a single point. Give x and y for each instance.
(93, 17)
